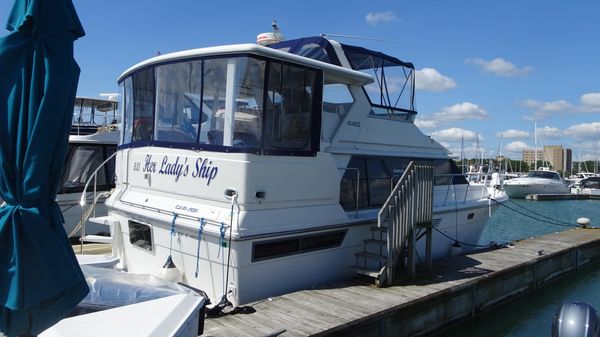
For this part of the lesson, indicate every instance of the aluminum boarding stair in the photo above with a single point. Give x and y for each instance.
(391, 250)
(371, 261)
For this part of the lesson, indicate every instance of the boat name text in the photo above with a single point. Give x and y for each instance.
(202, 168)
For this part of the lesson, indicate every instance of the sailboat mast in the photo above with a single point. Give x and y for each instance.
(535, 146)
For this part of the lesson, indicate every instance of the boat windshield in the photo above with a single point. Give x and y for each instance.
(543, 174)
(229, 104)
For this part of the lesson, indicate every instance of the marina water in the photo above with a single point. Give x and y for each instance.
(531, 315)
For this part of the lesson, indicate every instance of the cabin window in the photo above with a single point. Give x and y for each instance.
(178, 88)
(296, 245)
(127, 110)
(80, 164)
(140, 235)
(289, 108)
(239, 103)
(446, 172)
(143, 104)
(379, 175)
(232, 102)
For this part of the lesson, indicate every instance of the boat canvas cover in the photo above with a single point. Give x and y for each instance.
(319, 48)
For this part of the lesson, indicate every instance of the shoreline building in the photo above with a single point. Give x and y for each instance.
(559, 158)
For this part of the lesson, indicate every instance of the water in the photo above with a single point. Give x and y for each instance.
(531, 315)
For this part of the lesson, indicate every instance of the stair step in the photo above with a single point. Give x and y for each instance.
(367, 272)
(379, 229)
(97, 239)
(103, 220)
(381, 243)
(371, 256)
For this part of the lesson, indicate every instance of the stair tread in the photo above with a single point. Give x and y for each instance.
(371, 256)
(367, 272)
(103, 220)
(376, 242)
(379, 229)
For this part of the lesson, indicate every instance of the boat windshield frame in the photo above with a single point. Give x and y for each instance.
(237, 102)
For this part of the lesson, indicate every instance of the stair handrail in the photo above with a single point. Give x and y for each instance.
(409, 204)
(82, 201)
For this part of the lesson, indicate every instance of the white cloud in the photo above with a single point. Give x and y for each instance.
(431, 80)
(542, 110)
(425, 123)
(516, 147)
(499, 66)
(590, 102)
(584, 130)
(455, 134)
(374, 18)
(548, 132)
(512, 133)
(462, 111)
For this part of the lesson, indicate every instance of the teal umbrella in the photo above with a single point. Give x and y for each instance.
(40, 279)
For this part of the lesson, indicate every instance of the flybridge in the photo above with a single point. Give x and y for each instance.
(392, 93)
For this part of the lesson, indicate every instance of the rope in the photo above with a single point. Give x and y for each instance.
(221, 238)
(462, 243)
(172, 232)
(199, 239)
(542, 218)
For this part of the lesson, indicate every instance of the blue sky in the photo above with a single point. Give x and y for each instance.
(484, 68)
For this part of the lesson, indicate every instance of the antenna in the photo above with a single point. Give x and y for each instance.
(357, 37)
(266, 39)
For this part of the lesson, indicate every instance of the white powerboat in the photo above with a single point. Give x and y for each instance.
(92, 142)
(536, 182)
(254, 171)
(588, 186)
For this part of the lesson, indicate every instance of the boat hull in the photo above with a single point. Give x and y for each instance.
(203, 261)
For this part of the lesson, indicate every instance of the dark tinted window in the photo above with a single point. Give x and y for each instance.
(379, 182)
(290, 108)
(350, 185)
(140, 235)
(277, 248)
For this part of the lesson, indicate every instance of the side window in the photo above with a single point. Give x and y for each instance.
(379, 181)
(128, 110)
(446, 171)
(351, 186)
(289, 107)
(143, 104)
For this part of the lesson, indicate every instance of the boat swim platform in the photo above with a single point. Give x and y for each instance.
(459, 288)
(566, 196)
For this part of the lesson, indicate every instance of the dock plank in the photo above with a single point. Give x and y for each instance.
(349, 305)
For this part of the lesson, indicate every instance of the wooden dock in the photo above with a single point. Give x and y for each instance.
(567, 196)
(460, 287)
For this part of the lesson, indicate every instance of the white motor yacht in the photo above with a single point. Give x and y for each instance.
(536, 182)
(254, 171)
(92, 142)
